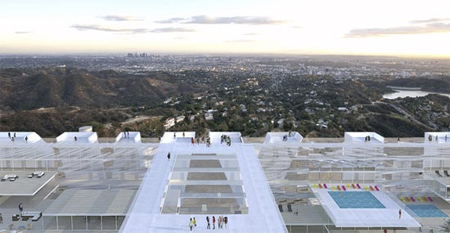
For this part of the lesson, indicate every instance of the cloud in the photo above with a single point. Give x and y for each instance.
(129, 30)
(405, 30)
(120, 18)
(239, 41)
(171, 20)
(250, 34)
(23, 32)
(108, 29)
(432, 20)
(165, 30)
(203, 19)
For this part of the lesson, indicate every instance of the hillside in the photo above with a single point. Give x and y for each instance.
(32, 89)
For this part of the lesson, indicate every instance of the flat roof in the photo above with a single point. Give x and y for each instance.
(365, 217)
(23, 186)
(109, 202)
(273, 137)
(77, 137)
(129, 137)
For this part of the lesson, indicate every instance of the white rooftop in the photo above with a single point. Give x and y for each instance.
(170, 137)
(77, 137)
(235, 137)
(274, 137)
(357, 137)
(20, 137)
(132, 137)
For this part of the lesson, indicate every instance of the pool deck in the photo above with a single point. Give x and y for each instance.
(361, 217)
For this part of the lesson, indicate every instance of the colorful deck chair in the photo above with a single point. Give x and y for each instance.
(315, 186)
(412, 199)
(371, 188)
(377, 188)
(365, 187)
(325, 185)
(357, 185)
(348, 185)
(343, 187)
(402, 198)
(320, 185)
(339, 188)
(429, 198)
(419, 198)
(425, 199)
(333, 188)
(407, 199)
(354, 186)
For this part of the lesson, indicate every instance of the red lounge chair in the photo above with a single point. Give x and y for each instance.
(353, 185)
(412, 199)
(429, 198)
(376, 188)
(325, 185)
(343, 187)
(357, 185)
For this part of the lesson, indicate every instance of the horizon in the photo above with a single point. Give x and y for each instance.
(383, 28)
(124, 54)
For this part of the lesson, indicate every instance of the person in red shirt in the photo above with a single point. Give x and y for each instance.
(214, 222)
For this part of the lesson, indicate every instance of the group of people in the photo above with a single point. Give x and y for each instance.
(126, 134)
(367, 139)
(225, 138)
(221, 222)
(192, 223)
(13, 136)
(208, 141)
(430, 138)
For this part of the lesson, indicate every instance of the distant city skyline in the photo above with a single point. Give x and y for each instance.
(384, 27)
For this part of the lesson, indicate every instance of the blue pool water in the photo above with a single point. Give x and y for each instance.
(427, 211)
(352, 199)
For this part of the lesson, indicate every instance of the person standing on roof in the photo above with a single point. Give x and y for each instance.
(191, 224)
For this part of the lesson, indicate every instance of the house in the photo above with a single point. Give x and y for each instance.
(179, 119)
(209, 116)
(170, 122)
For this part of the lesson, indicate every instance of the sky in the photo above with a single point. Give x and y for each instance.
(346, 27)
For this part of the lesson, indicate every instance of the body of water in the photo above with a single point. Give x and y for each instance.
(409, 93)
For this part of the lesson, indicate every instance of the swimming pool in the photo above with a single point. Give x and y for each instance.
(356, 199)
(427, 211)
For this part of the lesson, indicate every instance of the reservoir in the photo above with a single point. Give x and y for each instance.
(410, 93)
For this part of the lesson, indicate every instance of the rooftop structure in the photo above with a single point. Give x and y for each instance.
(77, 137)
(20, 137)
(133, 137)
